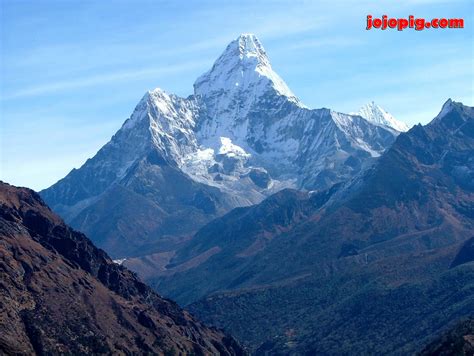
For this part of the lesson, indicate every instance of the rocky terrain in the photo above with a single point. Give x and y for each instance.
(61, 295)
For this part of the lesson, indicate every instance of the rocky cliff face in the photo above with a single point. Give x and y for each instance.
(241, 137)
(61, 295)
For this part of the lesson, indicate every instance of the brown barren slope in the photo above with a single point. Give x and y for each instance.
(60, 294)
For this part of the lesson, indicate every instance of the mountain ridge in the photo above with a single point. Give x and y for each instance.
(241, 137)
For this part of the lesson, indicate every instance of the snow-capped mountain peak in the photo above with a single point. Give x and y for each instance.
(243, 71)
(377, 115)
(249, 46)
(241, 81)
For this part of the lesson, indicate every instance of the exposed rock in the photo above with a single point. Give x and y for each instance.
(59, 294)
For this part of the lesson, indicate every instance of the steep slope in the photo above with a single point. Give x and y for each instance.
(222, 252)
(155, 203)
(241, 137)
(360, 262)
(137, 177)
(60, 295)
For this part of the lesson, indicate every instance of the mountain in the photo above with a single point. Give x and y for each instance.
(177, 163)
(61, 295)
(375, 114)
(376, 265)
(458, 341)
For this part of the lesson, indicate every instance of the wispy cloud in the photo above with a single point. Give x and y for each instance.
(67, 52)
(102, 79)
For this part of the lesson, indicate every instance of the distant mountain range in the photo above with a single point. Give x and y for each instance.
(297, 230)
(358, 262)
(61, 295)
(177, 163)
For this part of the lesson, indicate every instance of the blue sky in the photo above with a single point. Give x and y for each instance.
(72, 71)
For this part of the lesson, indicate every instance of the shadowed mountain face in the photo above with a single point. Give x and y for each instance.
(177, 163)
(61, 295)
(376, 265)
(466, 254)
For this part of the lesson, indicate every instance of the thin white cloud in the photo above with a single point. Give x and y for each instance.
(294, 24)
(102, 79)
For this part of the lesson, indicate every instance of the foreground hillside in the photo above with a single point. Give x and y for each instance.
(61, 295)
(378, 265)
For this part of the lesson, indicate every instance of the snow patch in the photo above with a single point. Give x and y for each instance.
(231, 150)
(119, 261)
